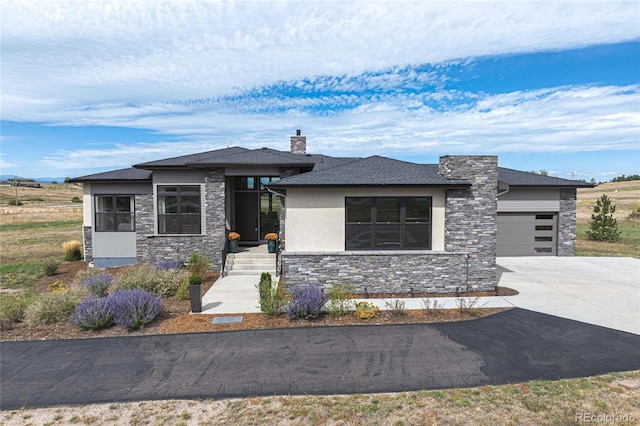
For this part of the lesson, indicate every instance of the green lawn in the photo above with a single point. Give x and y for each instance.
(628, 246)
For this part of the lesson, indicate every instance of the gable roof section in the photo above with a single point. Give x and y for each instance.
(183, 160)
(371, 171)
(254, 157)
(130, 174)
(519, 178)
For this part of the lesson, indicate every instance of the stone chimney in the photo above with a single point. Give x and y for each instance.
(298, 144)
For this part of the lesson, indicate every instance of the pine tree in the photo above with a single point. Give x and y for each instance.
(603, 226)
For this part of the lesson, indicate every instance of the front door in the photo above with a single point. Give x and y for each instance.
(247, 215)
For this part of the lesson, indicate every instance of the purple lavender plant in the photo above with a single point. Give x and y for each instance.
(307, 301)
(133, 309)
(93, 314)
(98, 285)
(169, 264)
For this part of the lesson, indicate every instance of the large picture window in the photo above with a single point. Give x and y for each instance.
(115, 213)
(388, 223)
(179, 209)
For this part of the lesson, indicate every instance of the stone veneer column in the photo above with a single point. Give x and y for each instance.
(144, 225)
(87, 243)
(567, 223)
(215, 188)
(471, 216)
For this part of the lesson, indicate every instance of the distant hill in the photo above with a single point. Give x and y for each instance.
(40, 179)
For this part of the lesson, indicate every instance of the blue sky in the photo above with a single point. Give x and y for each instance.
(88, 86)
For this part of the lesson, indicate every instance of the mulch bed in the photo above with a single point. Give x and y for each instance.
(175, 317)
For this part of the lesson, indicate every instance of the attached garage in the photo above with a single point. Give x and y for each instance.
(536, 214)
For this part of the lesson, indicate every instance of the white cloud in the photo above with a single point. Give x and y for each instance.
(66, 53)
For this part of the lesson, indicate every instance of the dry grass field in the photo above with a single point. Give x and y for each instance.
(625, 195)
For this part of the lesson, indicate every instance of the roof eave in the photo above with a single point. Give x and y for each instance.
(275, 185)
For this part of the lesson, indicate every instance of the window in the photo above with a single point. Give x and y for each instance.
(179, 209)
(387, 223)
(115, 213)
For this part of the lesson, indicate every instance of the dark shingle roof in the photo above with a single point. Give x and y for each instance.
(255, 157)
(371, 171)
(519, 178)
(183, 160)
(130, 174)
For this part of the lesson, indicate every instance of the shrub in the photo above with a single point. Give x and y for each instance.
(271, 300)
(15, 203)
(50, 268)
(76, 199)
(98, 285)
(307, 301)
(603, 226)
(57, 286)
(396, 307)
(195, 280)
(339, 302)
(468, 306)
(169, 264)
(366, 310)
(133, 309)
(198, 264)
(149, 278)
(12, 310)
(431, 307)
(72, 250)
(52, 307)
(93, 314)
(182, 293)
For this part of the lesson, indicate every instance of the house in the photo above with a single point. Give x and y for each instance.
(376, 222)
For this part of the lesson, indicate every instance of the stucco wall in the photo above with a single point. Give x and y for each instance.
(315, 217)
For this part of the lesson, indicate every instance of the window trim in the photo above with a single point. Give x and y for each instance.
(402, 223)
(115, 212)
(159, 192)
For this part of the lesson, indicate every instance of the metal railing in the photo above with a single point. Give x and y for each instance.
(225, 252)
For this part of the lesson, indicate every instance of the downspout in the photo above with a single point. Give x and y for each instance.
(505, 191)
(278, 247)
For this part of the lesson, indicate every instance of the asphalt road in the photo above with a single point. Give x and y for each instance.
(512, 346)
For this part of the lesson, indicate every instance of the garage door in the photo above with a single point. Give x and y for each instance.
(527, 234)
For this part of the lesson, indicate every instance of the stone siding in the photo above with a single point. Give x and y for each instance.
(567, 223)
(379, 271)
(471, 216)
(152, 248)
(87, 243)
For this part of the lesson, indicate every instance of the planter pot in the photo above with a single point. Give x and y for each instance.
(233, 246)
(271, 246)
(195, 296)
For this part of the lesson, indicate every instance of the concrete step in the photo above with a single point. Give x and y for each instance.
(255, 267)
(243, 261)
(235, 272)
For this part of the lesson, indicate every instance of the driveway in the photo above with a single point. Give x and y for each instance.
(508, 347)
(602, 291)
